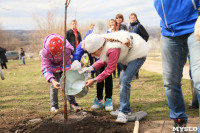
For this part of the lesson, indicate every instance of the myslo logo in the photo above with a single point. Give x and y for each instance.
(180, 129)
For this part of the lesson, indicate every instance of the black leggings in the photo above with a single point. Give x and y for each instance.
(3, 65)
(108, 86)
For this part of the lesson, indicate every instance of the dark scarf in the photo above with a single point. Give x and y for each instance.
(135, 23)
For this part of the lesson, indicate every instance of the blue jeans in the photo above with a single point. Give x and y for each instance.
(23, 59)
(126, 76)
(174, 55)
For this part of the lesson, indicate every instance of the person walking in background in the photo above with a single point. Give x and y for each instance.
(178, 20)
(120, 19)
(136, 27)
(52, 68)
(3, 58)
(73, 35)
(22, 55)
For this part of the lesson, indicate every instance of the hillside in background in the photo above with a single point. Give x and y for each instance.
(30, 40)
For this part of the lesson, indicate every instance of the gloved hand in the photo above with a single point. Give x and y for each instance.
(86, 69)
(197, 29)
(76, 65)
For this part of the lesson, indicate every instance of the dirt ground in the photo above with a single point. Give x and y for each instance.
(85, 121)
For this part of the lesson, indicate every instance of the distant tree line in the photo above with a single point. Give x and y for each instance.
(32, 40)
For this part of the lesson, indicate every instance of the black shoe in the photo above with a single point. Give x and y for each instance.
(191, 106)
(179, 125)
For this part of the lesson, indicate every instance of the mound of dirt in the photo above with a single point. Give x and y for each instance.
(82, 122)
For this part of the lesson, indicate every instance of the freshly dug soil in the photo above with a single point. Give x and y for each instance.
(82, 122)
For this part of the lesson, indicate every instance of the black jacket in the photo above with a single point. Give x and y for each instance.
(141, 30)
(71, 38)
(22, 53)
(3, 58)
(122, 27)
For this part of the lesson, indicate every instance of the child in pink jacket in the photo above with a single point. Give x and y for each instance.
(51, 67)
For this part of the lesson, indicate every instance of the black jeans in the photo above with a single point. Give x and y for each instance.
(3, 65)
(108, 86)
(119, 69)
(91, 62)
(137, 74)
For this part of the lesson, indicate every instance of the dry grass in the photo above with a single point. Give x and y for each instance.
(26, 89)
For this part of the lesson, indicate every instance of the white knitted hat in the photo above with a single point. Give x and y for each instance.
(93, 42)
(100, 27)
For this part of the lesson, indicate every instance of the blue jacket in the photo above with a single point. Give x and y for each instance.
(79, 51)
(178, 17)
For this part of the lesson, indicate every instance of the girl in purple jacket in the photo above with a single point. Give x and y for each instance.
(51, 67)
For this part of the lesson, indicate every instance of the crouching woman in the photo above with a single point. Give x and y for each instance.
(118, 47)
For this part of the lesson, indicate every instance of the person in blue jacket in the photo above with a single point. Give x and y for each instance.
(178, 18)
(98, 101)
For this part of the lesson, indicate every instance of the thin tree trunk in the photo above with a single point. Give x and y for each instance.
(64, 63)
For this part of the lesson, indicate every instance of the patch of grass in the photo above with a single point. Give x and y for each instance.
(26, 89)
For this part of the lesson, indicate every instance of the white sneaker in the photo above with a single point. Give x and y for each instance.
(115, 113)
(108, 104)
(122, 118)
(54, 110)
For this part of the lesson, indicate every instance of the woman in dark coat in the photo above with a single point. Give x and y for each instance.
(3, 58)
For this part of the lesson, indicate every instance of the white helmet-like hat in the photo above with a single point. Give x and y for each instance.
(93, 42)
(100, 27)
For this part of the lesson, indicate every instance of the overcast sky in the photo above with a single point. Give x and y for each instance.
(18, 14)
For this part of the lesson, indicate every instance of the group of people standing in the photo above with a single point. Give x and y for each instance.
(74, 38)
(126, 48)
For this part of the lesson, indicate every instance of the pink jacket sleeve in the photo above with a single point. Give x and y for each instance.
(50, 65)
(113, 56)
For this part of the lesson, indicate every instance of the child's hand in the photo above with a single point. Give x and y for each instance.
(89, 82)
(56, 84)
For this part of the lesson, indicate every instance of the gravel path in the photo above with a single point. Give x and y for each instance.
(156, 66)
